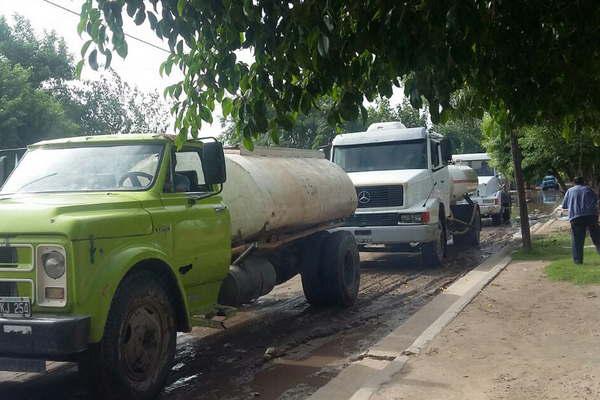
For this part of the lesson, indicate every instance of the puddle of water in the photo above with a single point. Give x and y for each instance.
(540, 203)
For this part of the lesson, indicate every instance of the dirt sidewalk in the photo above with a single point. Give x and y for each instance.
(523, 337)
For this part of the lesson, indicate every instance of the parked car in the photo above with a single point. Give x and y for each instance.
(549, 182)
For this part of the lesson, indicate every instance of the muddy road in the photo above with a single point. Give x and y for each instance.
(280, 347)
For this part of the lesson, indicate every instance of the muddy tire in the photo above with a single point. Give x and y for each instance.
(506, 214)
(333, 276)
(135, 355)
(497, 218)
(432, 253)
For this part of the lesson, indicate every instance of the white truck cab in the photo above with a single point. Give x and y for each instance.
(407, 194)
(491, 195)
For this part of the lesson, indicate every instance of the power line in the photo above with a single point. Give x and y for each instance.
(126, 34)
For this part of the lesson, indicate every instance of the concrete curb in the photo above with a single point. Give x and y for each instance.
(378, 365)
(467, 288)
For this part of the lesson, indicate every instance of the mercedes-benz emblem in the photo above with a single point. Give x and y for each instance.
(364, 197)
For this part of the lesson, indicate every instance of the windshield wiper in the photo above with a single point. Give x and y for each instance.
(41, 178)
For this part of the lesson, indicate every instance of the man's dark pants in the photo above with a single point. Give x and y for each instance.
(579, 226)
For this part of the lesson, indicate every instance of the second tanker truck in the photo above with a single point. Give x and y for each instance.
(112, 244)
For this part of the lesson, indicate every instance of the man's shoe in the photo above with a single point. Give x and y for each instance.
(578, 262)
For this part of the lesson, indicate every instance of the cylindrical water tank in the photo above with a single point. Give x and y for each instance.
(463, 180)
(283, 190)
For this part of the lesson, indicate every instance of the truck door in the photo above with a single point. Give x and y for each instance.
(200, 228)
(440, 173)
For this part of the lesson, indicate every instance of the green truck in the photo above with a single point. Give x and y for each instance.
(110, 245)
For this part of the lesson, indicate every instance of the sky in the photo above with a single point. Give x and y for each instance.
(141, 66)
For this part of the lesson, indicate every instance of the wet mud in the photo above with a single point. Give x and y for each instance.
(282, 348)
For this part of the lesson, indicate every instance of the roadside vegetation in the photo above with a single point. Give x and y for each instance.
(40, 97)
(557, 249)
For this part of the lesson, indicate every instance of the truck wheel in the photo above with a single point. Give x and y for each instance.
(334, 277)
(506, 214)
(135, 355)
(432, 253)
(497, 218)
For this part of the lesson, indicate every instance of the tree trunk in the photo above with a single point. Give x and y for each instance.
(520, 182)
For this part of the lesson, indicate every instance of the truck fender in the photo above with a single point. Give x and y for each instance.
(109, 277)
(433, 206)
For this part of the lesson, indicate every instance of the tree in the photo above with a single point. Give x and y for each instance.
(39, 100)
(28, 114)
(549, 150)
(529, 62)
(109, 105)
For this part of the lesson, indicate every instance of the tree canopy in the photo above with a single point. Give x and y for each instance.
(40, 100)
(539, 59)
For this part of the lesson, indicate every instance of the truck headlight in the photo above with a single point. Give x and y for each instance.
(414, 218)
(54, 263)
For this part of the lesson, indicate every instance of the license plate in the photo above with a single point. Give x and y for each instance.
(15, 307)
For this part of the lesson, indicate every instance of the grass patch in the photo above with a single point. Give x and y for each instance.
(557, 249)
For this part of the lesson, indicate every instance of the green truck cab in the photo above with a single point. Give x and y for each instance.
(109, 245)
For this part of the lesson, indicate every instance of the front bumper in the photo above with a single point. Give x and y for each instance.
(487, 210)
(50, 337)
(397, 234)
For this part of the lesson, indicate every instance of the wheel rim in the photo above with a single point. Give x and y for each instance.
(143, 340)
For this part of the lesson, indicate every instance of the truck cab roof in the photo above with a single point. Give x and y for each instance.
(104, 139)
(471, 157)
(383, 132)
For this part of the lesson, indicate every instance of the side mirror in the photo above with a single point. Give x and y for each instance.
(4, 169)
(447, 150)
(213, 163)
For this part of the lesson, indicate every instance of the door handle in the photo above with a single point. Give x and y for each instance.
(220, 208)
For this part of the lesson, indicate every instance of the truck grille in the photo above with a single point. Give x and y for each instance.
(8, 255)
(8, 289)
(385, 219)
(16, 256)
(380, 196)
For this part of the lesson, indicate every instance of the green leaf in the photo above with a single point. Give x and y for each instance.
(140, 17)
(245, 83)
(85, 47)
(323, 45)
(81, 25)
(108, 56)
(274, 135)
(121, 48)
(180, 7)
(79, 68)
(328, 23)
(205, 114)
(248, 143)
(227, 106)
(93, 60)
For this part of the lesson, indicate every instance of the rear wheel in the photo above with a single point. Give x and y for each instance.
(497, 218)
(331, 269)
(506, 214)
(135, 355)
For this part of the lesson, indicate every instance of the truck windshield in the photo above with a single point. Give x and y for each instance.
(90, 168)
(482, 167)
(381, 156)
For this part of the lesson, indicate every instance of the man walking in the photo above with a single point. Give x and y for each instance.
(582, 203)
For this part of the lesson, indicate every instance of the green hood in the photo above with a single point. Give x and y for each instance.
(74, 215)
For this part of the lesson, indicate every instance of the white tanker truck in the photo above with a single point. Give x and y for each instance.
(409, 198)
